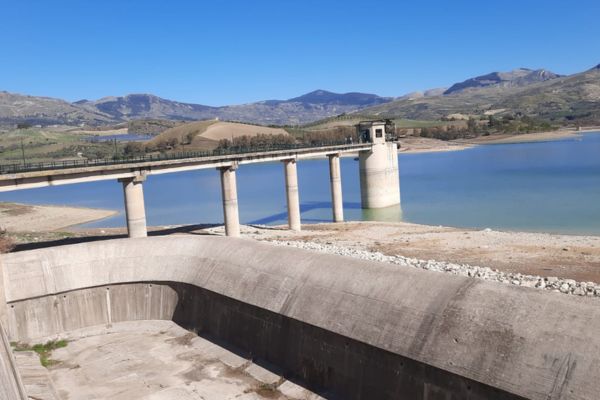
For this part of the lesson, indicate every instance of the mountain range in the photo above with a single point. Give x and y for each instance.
(516, 78)
(539, 93)
(15, 108)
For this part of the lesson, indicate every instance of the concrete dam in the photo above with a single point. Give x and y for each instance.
(341, 327)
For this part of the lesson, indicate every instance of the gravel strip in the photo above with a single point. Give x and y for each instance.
(554, 284)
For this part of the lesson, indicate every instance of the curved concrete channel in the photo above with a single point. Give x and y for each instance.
(342, 327)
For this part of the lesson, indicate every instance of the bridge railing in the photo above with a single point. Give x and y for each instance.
(65, 164)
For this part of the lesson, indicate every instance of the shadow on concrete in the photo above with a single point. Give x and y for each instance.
(293, 349)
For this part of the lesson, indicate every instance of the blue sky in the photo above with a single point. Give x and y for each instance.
(229, 52)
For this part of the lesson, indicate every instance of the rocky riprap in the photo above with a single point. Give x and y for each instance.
(559, 285)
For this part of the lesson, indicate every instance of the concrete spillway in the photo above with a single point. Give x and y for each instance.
(352, 329)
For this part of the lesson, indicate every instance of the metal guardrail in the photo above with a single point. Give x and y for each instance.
(56, 165)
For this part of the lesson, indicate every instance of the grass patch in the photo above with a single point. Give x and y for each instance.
(266, 390)
(44, 350)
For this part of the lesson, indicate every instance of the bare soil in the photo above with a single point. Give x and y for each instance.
(16, 217)
(565, 256)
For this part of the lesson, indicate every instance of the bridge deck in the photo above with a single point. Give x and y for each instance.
(17, 177)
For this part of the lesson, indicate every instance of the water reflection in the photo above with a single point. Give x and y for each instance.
(387, 214)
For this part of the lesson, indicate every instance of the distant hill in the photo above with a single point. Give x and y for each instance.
(570, 98)
(515, 78)
(537, 93)
(15, 108)
(205, 135)
(138, 106)
(353, 99)
(562, 99)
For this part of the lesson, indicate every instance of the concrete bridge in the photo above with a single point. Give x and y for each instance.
(378, 163)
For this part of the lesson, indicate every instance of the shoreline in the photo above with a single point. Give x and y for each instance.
(535, 137)
(418, 145)
(33, 218)
(529, 253)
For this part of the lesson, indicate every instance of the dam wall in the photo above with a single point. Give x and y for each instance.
(11, 387)
(345, 327)
(41, 317)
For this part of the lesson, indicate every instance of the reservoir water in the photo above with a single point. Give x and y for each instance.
(547, 187)
(128, 137)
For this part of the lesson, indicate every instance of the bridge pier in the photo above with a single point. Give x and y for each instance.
(337, 203)
(135, 210)
(230, 202)
(379, 178)
(291, 192)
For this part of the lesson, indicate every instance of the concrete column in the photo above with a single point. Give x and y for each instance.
(134, 206)
(291, 192)
(230, 203)
(379, 178)
(336, 188)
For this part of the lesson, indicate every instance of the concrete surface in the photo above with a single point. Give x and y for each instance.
(11, 386)
(153, 360)
(337, 203)
(379, 177)
(36, 378)
(291, 194)
(34, 319)
(231, 214)
(358, 329)
(135, 210)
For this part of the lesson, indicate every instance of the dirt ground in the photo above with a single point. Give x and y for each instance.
(29, 218)
(566, 256)
(225, 130)
(416, 144)
(524, 138)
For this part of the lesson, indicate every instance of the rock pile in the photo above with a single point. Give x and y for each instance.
(559, 285)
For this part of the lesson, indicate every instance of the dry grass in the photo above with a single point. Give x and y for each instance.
(183, 133)
(227, 130)
(205, 135)
(6, 243)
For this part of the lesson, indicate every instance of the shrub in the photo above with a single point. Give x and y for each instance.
(6, 243)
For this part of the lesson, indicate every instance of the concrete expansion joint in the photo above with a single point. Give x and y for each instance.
(138, 178)
(232, 167)
(376, 171)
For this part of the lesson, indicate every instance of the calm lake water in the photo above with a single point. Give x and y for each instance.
(128, 137)
(549, 187)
